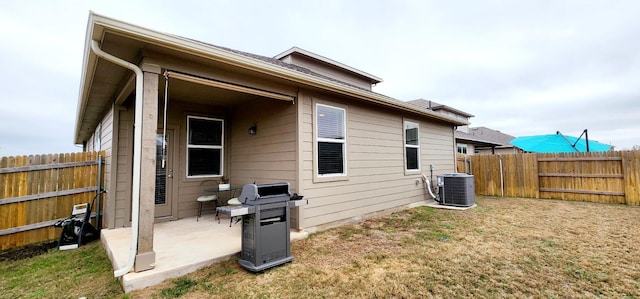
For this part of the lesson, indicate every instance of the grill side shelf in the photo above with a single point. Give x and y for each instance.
(234, 211)
(297, 203)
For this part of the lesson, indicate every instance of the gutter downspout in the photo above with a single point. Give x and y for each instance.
(137, 148)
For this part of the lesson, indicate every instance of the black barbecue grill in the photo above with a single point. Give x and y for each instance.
(265, 224)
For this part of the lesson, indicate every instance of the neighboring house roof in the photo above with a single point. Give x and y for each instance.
(485, 137)
(372, 78)
(479, 136)
(137, 38)
(491, 135)
(431, 105)
(557, 143)
(462, 137)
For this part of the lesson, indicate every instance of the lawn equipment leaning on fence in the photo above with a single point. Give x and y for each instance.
(77, 228)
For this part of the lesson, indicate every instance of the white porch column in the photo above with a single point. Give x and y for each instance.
(146, 257)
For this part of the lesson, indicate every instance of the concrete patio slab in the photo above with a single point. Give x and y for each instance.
(181, 247)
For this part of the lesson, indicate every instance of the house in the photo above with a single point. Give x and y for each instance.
(478, 140)
(483, 141)
(172, 112)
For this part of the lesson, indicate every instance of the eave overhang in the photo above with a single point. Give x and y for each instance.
(98, 25)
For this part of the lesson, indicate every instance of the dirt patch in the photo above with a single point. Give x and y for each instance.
(28, 251)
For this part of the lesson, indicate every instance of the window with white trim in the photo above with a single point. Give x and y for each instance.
(205, 145)
(462, 148)
(330, 140)
(412, 145)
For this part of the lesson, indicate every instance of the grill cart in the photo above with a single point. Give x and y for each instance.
(265, 224)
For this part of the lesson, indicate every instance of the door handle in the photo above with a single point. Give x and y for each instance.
(170, 176)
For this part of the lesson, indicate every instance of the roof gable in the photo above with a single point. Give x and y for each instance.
(321, 64)
(431, 105)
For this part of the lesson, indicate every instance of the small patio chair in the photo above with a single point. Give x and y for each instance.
(233, 201)
(202, 199)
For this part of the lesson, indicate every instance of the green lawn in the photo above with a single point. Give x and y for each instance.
(61, 274)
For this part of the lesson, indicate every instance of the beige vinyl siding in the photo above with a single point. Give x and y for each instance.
(437, 147)
(105, 129)
(375, 146)
(107, 146)
(89, 144)
(270, 155)
(122, 209)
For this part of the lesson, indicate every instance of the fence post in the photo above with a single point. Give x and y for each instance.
(501, 176)
(99, 194)
(631, 176)
(536, 175)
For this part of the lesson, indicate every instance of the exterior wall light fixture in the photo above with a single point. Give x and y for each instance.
(253, 130)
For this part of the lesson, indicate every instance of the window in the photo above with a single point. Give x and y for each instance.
(412, 145)
(204, 146)
(97, 141)
(330, 140)
(462, 148)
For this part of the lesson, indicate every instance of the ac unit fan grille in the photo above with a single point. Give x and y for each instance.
(459, 190)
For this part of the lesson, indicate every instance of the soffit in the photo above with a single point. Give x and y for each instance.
(105, 80)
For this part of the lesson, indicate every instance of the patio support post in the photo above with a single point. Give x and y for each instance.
(146, 257)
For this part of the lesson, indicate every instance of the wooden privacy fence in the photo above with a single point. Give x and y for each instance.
(605, 177)
(36, 191)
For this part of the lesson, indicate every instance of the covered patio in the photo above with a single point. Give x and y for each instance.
(181, 247)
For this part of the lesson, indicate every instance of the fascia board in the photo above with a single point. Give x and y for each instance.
(88, 69)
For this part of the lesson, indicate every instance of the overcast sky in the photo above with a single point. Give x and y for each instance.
(521, 67)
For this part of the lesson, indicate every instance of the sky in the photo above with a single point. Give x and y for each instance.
(521, 67)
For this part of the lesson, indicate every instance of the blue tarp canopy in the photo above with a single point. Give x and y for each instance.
(557, 143)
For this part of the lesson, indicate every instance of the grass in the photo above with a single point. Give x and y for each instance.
(61, 274)
(180, 287)
(503, 248)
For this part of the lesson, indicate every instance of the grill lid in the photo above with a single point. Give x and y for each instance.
(253, 194)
